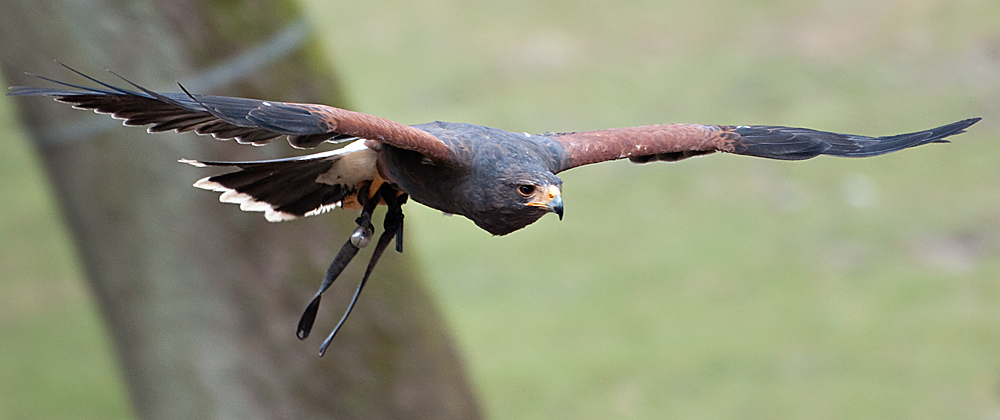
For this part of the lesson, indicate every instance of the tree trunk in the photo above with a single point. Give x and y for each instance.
(202, 300)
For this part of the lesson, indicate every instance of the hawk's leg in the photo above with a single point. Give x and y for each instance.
(361, 237)
(392, 227)
(346, 254)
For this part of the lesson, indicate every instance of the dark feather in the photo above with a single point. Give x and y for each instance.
(788, 143)
(219, 116)
(250, 121)
(293, 187)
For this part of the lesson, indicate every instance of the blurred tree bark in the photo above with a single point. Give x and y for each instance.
(202, 299)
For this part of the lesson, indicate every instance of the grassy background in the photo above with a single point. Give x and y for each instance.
(719, 287)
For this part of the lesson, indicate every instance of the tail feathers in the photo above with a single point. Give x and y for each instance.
(789, 143)
(286, 189)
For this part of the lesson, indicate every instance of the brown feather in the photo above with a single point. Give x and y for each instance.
(386, 131)
(670, 140)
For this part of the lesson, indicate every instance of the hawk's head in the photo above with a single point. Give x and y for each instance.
(509, 198)
(500, 180)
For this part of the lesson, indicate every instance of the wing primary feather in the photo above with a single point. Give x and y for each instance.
(213, 111)
(789, 143)
(306, 125)
(219, 116)
(114, 88)
(150, 94)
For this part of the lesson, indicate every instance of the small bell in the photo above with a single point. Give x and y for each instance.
(362, 236)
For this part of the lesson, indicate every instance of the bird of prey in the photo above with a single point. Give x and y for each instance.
(501, 180)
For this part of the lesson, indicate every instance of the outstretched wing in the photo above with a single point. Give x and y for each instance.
(290, 188)
(250, 121)
(673, 142)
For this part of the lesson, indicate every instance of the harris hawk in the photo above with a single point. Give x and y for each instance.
(501, 180)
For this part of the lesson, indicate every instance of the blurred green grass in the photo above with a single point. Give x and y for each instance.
(718, 287)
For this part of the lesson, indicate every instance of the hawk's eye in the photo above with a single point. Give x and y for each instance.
(526, 189)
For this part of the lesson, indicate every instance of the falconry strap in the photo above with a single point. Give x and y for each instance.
(392, 226)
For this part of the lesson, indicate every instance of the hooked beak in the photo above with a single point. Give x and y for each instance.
(556, 206)
(551, 200)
